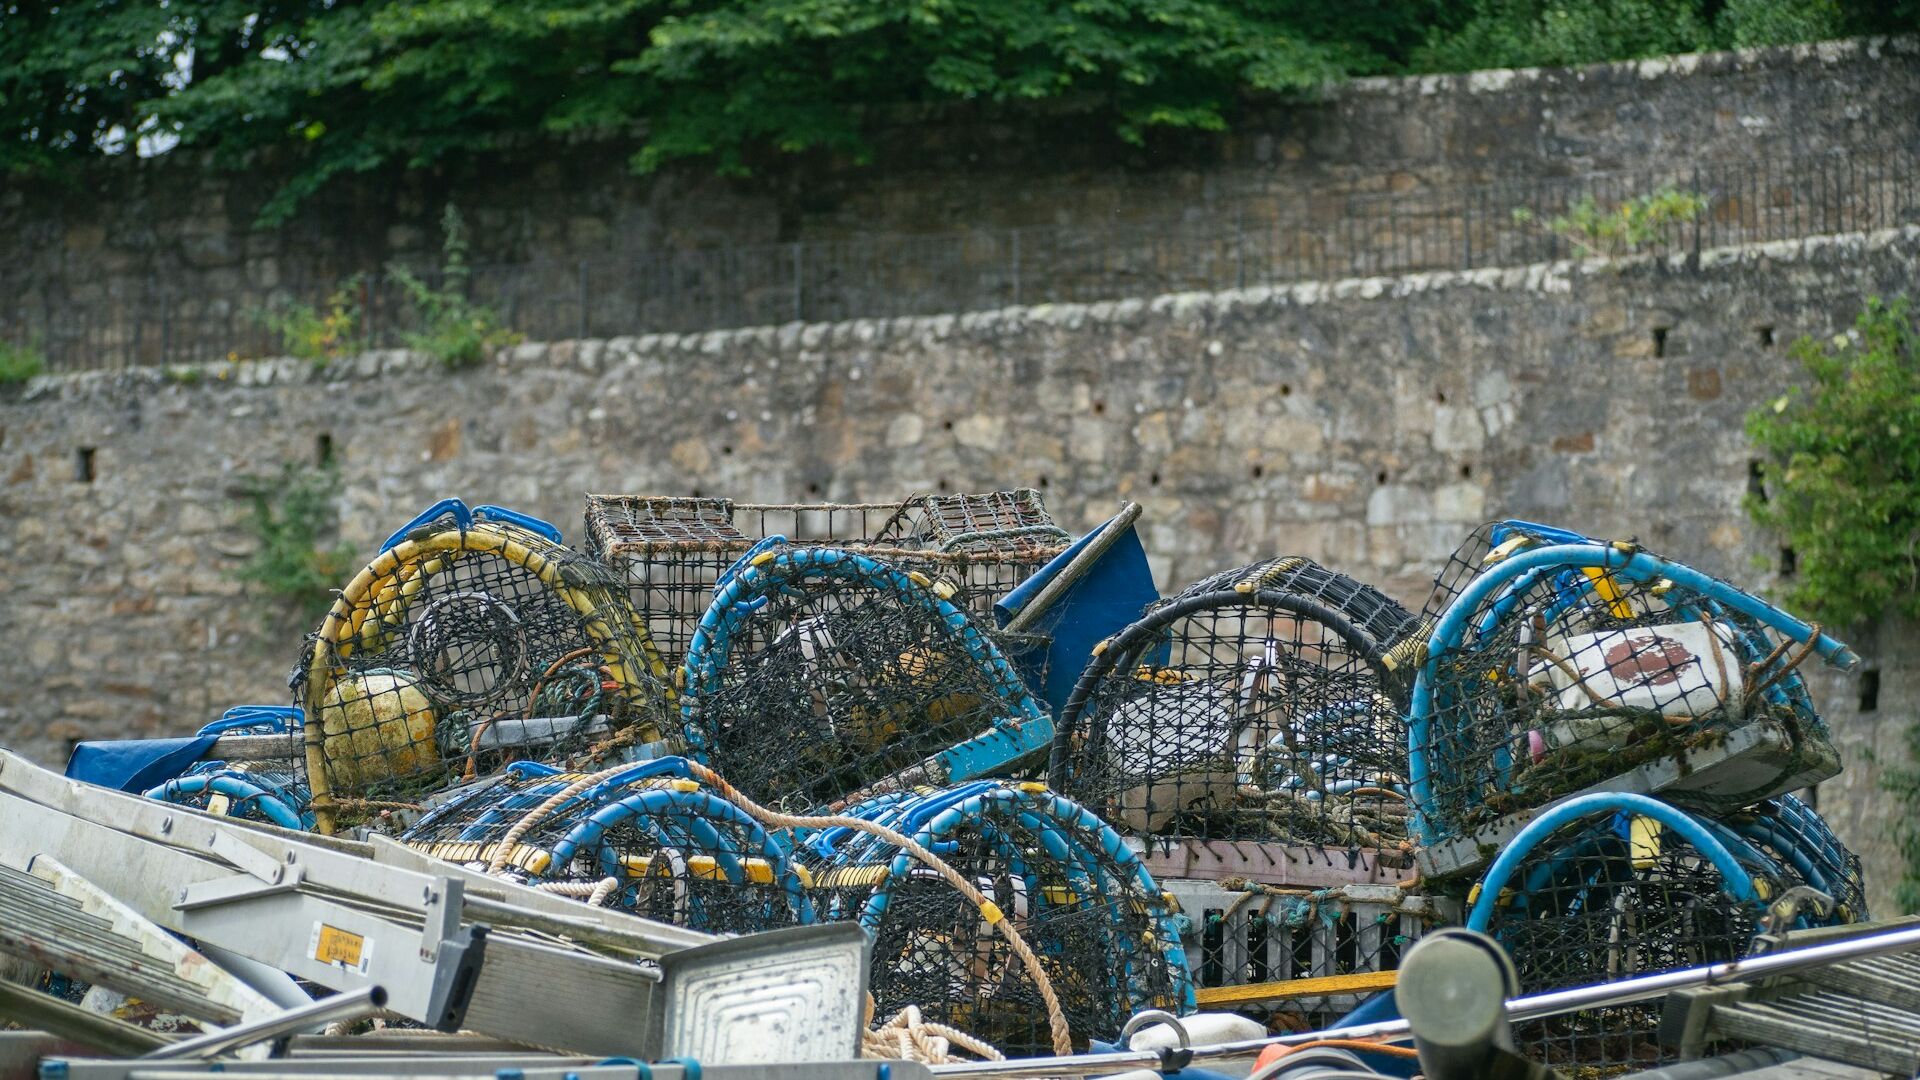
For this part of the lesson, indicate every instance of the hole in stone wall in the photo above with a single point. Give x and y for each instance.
(947, 425)
(1440, 397)
(696, 493)
(726, 451)
(1766, 337)
(1153, 479)
(1466, 472)
(1099, 408)
(813, 489)
(83, 464)
(1869, 690)
(1285, 390)
(1756, 479)
(1659, 341)
(940, 484)
(1259, 471)
(323, 449)
(1041, 483)
(1380, 477)
(1789, 562)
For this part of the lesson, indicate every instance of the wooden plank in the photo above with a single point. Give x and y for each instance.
(1227, 997)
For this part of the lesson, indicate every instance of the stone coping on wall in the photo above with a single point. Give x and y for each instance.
(800, 339)
(1504, 80)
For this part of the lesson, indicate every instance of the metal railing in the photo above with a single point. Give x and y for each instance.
(1263, 240)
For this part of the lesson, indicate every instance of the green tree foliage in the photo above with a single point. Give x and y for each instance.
(331, 87)
(1538, 33)
(1842, 473)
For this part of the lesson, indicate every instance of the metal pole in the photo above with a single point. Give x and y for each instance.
(1531, 1007)
(583, 299)
(799, 286)
(1015, 244)
(325, 1011)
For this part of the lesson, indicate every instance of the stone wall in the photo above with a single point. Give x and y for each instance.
(158, 261)
(1369, 424)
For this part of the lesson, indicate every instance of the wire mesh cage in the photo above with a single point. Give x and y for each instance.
(1102, 932)
(465, 644)
(1255, 705)
(1565, 664)
(1614, 885)
(671, 550)
(821, 673)
(644, 838)
(267, 790)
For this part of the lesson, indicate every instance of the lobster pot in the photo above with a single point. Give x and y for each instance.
(1794, 837)
(267, 789)
(1625, 890)
(671, 551)
(1249, 935)
(463, 645)
(819, 673)
(646, 839)
(1254, 706)
(1102, 933)
(1571, 666)
(255, 792)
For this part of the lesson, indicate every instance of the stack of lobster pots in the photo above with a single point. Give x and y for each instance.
(1053, 798)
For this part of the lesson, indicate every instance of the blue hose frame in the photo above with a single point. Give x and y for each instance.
(1450, 634)
(1007, 740)
(243, 790)
(1057, 822)
(1740, 883)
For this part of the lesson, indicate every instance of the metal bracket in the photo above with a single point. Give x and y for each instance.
(264, 876)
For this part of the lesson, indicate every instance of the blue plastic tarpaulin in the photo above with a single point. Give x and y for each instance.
(136, 764)
(1113, 593)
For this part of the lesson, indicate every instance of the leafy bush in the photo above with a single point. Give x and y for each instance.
(291, 511)
(1544, 33)
(318, 336)
(20, 362)
(460, 333)
(1841, 479)
(1622, 229)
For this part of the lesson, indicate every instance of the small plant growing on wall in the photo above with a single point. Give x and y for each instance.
(291, 511)
(1596, 230)
(20, 361)
(1840, 485)
(318, 337)
(452, 328)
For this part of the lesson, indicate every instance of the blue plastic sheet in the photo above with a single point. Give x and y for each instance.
(1113, 593)
(136, 764)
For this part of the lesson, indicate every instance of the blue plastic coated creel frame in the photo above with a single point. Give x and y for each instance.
(237, 786)
(1056, 821)
(1636, 566)
(1010, 737)
(464, 518)
(1692, 830)
(275, 719)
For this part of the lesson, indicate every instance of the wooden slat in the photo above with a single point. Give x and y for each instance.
(1226, 997)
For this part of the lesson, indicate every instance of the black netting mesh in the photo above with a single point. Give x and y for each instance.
(1101, 930)
(461, 648)
(822, 672)
(671, 551)
(1249, 706)
(647, 840)
(1620, 895)
(1565, 676)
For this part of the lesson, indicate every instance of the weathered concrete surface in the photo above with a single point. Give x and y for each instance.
(1369, 424)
